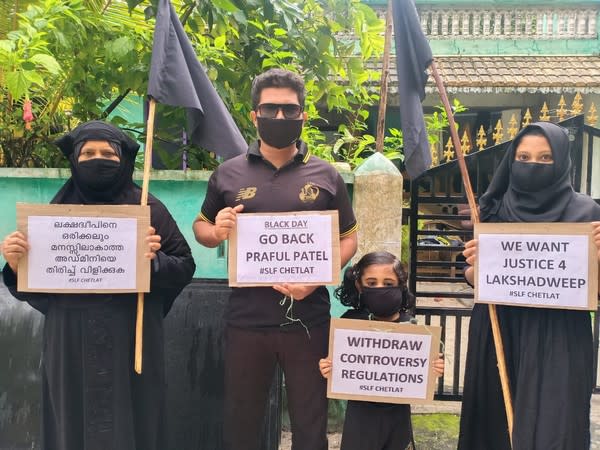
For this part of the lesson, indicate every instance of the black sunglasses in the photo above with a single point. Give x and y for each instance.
(270, 110)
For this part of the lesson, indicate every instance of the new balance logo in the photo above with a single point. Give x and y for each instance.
(246, 193)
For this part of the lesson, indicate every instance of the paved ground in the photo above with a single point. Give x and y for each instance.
(450, 443)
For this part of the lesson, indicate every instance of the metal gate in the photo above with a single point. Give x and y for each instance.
(439, 221)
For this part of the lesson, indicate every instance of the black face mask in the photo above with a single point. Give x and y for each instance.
(279, 133)
(98, 174)
(531, 177)
(384, 301)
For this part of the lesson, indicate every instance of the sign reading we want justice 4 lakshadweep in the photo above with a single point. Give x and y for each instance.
(546, 265)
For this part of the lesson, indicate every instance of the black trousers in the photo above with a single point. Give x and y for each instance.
(377, 426)
(251, 357)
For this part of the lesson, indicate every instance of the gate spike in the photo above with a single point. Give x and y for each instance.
(498, 132)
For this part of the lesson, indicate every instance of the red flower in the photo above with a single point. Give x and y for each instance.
(27, 114)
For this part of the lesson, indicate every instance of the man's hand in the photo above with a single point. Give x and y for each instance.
(14, 247)
(225, 222)
(296, 291)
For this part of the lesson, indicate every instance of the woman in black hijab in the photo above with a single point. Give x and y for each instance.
(548, 352)
(92, 399)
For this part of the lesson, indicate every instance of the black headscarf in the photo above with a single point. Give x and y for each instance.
(558, 202)
(76, 190)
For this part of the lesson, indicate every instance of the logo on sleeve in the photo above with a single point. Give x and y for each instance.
(309, 193)
(245, 193)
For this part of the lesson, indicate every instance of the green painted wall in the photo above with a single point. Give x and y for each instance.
(507, 47)
(181, 192)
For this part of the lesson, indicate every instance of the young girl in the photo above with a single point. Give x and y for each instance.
(375, 287)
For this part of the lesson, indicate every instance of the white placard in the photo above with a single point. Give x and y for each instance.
(84, 253)
(544, 270)
(288, 247)
(381, 365)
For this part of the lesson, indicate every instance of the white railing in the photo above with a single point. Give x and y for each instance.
(503, 23)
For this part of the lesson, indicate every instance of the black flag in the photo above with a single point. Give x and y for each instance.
(413, 57)
(178, 79)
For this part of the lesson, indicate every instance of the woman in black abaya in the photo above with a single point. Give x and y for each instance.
(92, 398)
(548, 352)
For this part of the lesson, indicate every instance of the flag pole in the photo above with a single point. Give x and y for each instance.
(475, 218)
(139, 321)
(385, 72)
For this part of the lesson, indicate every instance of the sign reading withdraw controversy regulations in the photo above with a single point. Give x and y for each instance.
(382, 361)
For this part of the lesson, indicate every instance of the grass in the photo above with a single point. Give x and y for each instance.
(436, 431)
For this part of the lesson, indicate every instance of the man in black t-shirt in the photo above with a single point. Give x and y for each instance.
(278, 174)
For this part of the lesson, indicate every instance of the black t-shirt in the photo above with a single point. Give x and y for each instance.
(305, 183)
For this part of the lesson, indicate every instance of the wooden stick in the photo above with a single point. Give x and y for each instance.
(139, 321)
(475, 218)
(385, 75)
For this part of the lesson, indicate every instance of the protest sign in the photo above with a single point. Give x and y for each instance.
(382, 361)
(545, 265)
(84, 248)
(295, 247)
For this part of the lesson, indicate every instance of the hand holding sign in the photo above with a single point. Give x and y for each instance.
(325, 367)
(225, 222)
(470, 254)
(295, 291)
(14, 247)
(596, 236)
(154, 244)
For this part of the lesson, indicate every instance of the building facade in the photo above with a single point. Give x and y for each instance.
(509, 61)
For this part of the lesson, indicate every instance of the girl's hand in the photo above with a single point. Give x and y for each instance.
(325, 367)
(596, 236)
(438, 365)
(153, 241)
(14, 247)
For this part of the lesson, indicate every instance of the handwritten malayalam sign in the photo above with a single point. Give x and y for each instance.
(297, 247)
(546, 265)
(83, 248)
(382, 361)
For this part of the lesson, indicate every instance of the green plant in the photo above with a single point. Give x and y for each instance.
(72, 58)
(237, 40)
(354, 145)
(65, 60)
(437, 122)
